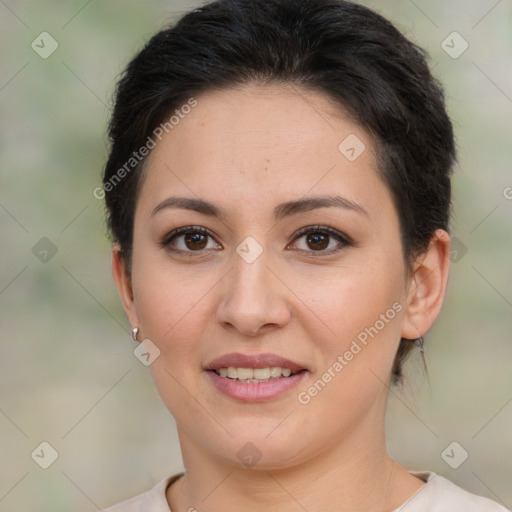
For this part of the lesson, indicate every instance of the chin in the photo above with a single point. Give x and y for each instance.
(263, 452)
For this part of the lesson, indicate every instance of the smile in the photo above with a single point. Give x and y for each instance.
(254, 374)
(254, 378)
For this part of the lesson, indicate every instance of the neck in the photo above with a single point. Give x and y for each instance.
(356, 474)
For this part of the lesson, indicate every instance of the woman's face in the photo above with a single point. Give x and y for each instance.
(262, 273)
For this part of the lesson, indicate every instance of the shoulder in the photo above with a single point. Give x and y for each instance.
(440, 495)
(154, 499)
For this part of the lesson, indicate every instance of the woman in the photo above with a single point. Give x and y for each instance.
(278, 191)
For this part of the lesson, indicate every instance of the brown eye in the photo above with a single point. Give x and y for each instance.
(317, 241)
(188, 239)
(195, 241)
(321, 239)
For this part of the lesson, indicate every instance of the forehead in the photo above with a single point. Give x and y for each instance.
(279, 121)
(262, 144)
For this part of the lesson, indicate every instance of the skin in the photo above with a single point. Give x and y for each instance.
(247, 150)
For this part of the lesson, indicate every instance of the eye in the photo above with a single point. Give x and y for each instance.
(195, 239)
(188, 239)
(322, 239)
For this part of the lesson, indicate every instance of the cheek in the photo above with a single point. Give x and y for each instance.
(350, 301)
(172, 308)
(166, 293)
(364, 309)
(169, 305)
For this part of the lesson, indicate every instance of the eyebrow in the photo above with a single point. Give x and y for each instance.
(281, 211)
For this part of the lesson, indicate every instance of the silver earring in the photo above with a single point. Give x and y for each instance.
(419, 343)
(135, 331)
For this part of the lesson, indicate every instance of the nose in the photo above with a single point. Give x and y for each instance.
(253, 299)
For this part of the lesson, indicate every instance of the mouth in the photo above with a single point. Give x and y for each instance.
(254, 378)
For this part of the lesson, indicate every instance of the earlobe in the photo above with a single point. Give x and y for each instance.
(123, 283)
(427, 287)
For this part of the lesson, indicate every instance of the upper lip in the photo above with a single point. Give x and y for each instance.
(239, 360)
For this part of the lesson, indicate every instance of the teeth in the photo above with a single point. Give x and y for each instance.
(261, 373)
(254, 375)
(244, 373)
(275, 371)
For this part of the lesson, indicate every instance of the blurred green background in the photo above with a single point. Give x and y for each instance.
(68, 375)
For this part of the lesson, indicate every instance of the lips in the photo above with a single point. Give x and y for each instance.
(254, 390)
(239, 360)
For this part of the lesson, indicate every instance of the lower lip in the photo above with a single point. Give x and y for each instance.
(255, 391)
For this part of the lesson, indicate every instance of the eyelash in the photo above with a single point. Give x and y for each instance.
(344, 240)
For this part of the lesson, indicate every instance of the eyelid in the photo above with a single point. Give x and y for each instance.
(342, 238)
(325, 229)
(166, 241)
(184, 230)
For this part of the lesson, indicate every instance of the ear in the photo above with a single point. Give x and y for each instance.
(427, 286)
(123, 282)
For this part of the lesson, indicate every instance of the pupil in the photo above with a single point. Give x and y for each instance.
(318, 238)
(194, 239)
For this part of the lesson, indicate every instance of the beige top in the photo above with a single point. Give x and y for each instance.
(437, 495)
